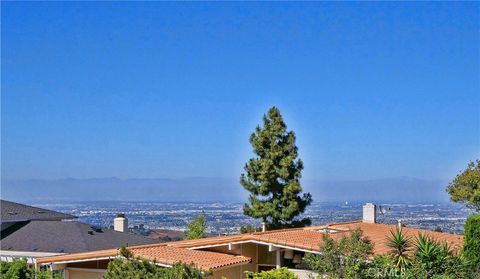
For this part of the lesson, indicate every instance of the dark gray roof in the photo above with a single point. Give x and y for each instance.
(16, 212)
(67, 237)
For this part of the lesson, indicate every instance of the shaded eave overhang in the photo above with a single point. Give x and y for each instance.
(272, 246)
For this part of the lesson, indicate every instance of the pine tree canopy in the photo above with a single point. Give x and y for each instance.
(273, 176)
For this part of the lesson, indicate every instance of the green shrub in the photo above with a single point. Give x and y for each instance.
(130, 267)
(19, 269)
(281, 273)
(196, 229)
(471, 246)
(346, 258)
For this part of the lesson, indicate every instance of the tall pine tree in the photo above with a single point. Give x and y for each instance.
(273, 176)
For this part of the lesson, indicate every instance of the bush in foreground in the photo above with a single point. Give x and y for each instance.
(281, 273)
(130, 267)
(346, 258)
(19, 269)
(471, 246)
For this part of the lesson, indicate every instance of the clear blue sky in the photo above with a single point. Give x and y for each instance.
(174, 89)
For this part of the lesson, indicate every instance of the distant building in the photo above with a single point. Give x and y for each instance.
(232, 255)
(32, 232)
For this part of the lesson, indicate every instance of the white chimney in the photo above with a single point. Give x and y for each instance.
(264, 226)
(369, 213)
(120, 223)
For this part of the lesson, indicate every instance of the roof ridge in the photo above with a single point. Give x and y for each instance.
(346, 223)
(278, 230)
(392, 226)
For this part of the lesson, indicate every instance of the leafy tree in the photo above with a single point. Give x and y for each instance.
(196, 229)
(329, 261)
(471, 245)
(136, 268)
(400, 247)
(273, 176)
(346, 258)
(19, 269)
(281, 273)
(465, 188)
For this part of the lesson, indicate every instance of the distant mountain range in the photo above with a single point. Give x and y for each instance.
(196, 189)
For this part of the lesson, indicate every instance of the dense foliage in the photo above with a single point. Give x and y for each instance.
(471, 249)
(19, 269)
(465, 188)
(273, 176)
(281, 273)
(345, 258)
(422, 258)
(136, 268)
(196, 229)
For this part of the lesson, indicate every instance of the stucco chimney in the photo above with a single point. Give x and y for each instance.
(120, 223)
(369, 213)
(264, 226)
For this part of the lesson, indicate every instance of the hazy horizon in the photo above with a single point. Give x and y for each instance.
(399, 189)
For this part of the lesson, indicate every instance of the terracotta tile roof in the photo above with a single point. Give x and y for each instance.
(162, 254)
(309, 238)
(202, 259)
(110, 253)
(303, 239)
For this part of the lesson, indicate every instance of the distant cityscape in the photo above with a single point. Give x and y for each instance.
(227, 217)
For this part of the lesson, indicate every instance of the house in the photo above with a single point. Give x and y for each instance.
(231, 255)
(31, 232)
(92, 265)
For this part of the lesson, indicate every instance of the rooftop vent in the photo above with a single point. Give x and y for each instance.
(96, 229)
(327, 230)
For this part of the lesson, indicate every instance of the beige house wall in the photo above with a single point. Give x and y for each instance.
(84, 274)
(259, 254)
(235, 272)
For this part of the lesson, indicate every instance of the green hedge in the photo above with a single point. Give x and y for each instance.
(471, 246)
(281, 273)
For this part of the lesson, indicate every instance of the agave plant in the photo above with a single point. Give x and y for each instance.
(433, 257)
(400, 247)
(427, 252)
